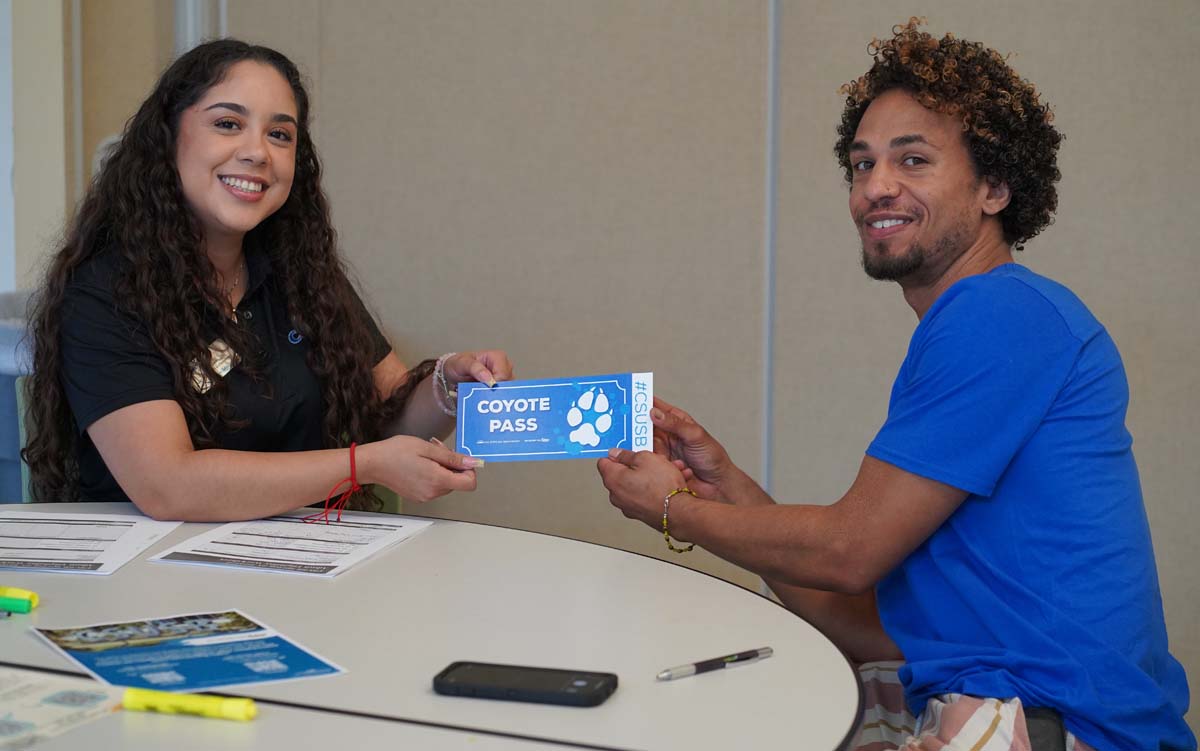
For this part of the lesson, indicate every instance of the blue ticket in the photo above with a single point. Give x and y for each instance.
(555, 418)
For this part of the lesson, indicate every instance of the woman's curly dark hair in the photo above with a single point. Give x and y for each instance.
(135, 207)
(1008, 130)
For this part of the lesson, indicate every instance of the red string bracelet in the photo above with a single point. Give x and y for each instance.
(340, 503)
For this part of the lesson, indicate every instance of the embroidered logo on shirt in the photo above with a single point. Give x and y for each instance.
(295, 337)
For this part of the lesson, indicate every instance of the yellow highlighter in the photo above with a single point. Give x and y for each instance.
(17, 600)
(220, 707)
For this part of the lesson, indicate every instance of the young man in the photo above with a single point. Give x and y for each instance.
(995, 538)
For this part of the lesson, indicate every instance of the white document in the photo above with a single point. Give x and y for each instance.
(288, 544)
(75, 543)
(36, 706)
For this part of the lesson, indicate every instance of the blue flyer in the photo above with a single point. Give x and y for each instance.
(555, 418)
(196, 652)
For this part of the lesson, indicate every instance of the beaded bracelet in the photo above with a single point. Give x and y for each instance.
(667, 505)
(446, 398)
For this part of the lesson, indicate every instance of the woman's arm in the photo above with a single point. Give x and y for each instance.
(422, 416)
(147, 448)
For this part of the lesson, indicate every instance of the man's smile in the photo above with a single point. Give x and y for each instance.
(881, 225)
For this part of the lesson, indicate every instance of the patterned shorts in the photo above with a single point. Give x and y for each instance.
(950, 722)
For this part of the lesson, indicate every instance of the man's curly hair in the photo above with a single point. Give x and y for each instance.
(1008, 131)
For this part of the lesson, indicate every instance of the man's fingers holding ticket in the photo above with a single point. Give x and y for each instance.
(622, 456)
(685, 439)
(637, 482)
(674, 420)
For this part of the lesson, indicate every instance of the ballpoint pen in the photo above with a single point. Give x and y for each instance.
(715, 663)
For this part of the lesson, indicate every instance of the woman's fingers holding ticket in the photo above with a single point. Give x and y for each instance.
(418, 470)
(485, 366)
(440, 453)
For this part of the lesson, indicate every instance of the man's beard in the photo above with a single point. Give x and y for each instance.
(882, 267)
(908, 265)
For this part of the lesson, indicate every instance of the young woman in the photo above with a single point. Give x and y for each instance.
(198, 348)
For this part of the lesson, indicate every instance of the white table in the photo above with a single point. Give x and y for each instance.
(461, 591)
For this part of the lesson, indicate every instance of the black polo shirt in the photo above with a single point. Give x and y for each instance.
(110, 362)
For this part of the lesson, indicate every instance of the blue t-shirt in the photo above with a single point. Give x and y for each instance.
(1042, 584)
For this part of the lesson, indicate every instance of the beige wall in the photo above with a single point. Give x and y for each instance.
(125, 45)
(500, 172)
(611, 156)
(39, 133)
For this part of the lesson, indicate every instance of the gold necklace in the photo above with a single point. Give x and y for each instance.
(237, 280)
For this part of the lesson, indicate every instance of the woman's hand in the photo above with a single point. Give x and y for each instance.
(485, 366)
(416, 469)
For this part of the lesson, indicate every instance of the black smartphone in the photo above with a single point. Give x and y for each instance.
(578, 688)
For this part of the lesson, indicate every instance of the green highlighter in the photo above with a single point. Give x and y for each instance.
(16, 600)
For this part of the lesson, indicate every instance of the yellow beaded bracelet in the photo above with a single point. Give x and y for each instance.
(667, 505)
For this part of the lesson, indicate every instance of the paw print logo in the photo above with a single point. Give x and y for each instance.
(590, 416)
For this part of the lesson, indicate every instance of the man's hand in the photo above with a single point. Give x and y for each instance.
(702, 459)
(638, 482)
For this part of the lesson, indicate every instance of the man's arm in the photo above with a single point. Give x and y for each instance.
(849, 621)
(690, 455)
(845, 547)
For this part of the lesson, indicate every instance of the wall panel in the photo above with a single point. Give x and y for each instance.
(127, 44)
(579, 183)
(39, 164)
